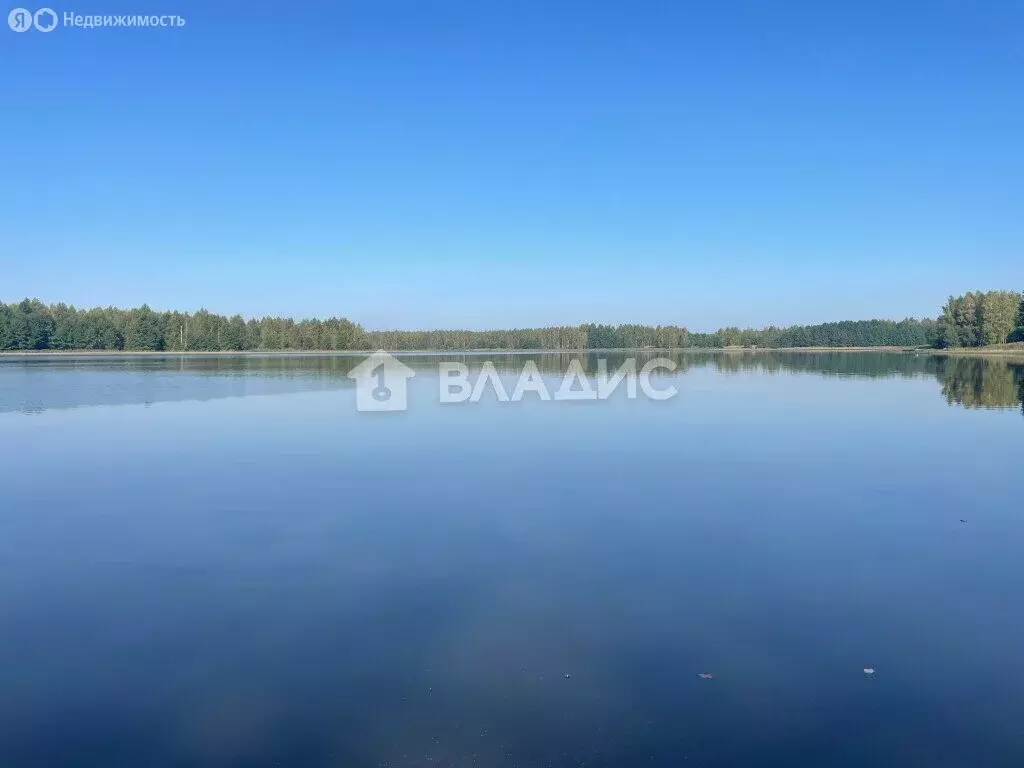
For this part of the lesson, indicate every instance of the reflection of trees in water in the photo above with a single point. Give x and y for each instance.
(973, 382)
(980, 383)
(863, 364)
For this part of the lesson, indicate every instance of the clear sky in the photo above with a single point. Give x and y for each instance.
(493, 163)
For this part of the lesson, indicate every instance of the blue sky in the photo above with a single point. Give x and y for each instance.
(486, 163)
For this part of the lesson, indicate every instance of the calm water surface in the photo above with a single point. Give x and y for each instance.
(213, 561)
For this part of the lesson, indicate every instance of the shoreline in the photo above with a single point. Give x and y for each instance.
(997, 351)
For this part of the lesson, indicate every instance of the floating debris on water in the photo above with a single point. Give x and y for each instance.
(705, 676)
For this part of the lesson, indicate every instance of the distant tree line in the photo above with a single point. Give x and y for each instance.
(977, 319)
(555, 338)
(847, 333)
(559, 337)
(31, 324)
(974, 319)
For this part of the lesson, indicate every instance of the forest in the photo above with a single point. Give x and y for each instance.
(978, 319)
(971, 320)
(846, 333)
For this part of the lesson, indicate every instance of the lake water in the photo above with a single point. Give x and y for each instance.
(212, 561)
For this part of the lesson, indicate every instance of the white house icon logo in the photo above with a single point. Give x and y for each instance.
(381, 383)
